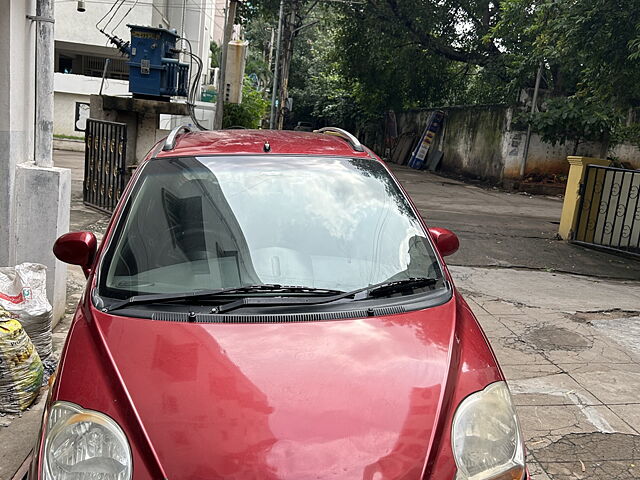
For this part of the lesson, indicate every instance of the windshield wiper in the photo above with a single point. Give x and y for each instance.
(208, 294)
(400, 286)
(376, 290)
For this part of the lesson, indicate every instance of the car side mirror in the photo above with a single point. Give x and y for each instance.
(446, 241)
(77, 248)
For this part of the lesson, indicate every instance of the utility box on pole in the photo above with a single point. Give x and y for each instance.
(234, 77)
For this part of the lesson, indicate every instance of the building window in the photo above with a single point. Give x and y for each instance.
(94, 66)
(65, 64)
(91, 65)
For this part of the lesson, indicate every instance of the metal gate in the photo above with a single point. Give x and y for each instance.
(105, 152)
(609, 214)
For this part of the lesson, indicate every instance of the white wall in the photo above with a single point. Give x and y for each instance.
(218, 21)
(69, 83)
(629, 154)
(17, 77)
(197, 22)
(64, 110)
(80, 27)
(205, 113)
(34, 201)
(70, 89)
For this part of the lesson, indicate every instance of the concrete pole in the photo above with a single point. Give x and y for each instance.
(44, 84)
(271, 46)
(534, 107)
(276, 69)
(228, 30)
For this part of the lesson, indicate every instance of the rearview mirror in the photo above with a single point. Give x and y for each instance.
(77, 248)
(446, 241)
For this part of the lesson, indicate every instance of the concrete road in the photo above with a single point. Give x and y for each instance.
(564, 322)
(569, 343)
(500, 229)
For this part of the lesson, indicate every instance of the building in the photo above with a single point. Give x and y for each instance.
(34, 195)
(81, 50)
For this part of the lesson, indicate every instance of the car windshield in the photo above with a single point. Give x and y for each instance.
(221, 222)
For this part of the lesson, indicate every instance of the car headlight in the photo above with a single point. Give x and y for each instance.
(83, 444)
(486, 439)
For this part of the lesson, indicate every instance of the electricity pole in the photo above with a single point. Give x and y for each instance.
(222, 81)
(43, 135)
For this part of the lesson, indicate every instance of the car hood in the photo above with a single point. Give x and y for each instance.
(342, 399)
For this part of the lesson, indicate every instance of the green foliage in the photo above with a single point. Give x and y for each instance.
(258, 34)
(575, 120)
(595, 37)
(365, 58)
(67, 137)
(406, 55)
(587, 46)
(250, 112)
(215, 54)
(628, 134)
(321, 94)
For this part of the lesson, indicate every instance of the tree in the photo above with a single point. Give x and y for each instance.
(368, 57)
(456, 30)
(587, 48)
(259, 32)
(296, 13)
(321, 94)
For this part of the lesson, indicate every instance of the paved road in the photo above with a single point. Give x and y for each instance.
(500, 229)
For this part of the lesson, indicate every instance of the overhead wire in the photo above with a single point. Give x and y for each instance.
(125, 16)
(105, 15)
(193, 89)
(193, 6)
(106, 25)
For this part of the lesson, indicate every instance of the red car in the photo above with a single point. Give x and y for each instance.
(270, 305)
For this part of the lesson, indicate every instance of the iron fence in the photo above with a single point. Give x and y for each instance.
(609, 214)
(104, 164)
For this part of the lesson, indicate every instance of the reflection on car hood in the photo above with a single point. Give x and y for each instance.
(336, 399)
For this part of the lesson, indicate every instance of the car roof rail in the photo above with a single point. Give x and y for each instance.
(355, 143)
(170, 142)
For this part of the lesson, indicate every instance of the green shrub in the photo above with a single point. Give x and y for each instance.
(249, 113)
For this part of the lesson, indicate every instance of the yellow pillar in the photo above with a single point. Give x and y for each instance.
(577, 169)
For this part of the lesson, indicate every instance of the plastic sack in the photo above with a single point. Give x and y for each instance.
(23, 293)
(21, 370)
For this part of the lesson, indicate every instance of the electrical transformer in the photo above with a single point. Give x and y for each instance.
(155, 69)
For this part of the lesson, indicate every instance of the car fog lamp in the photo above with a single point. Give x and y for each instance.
(83, 444)
(486, 438)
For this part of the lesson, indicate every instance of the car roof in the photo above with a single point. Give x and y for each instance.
(252, 142)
